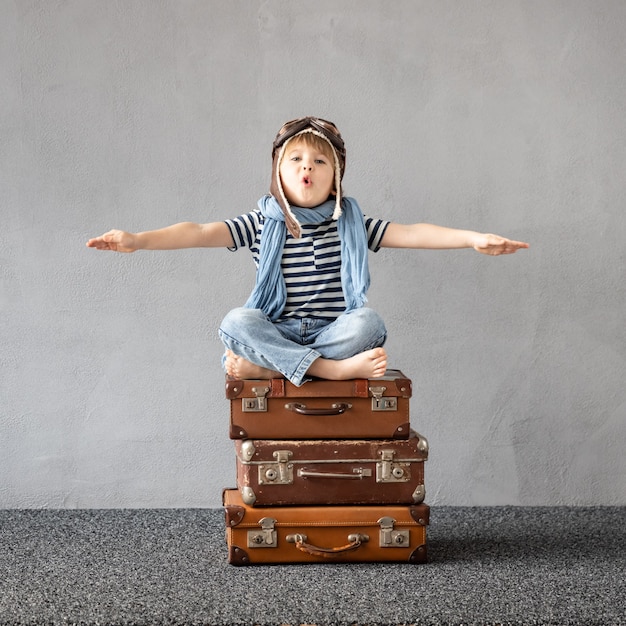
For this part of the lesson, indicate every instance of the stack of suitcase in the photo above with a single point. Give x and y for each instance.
(327, 472)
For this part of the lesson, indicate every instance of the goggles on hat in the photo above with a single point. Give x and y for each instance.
(328, 129)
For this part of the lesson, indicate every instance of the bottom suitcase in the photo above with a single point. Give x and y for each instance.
(333, 533)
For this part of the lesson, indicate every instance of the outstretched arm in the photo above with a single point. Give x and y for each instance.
(430, 236)
(183, 235)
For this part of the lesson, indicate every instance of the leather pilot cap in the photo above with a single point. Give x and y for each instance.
(327, 131)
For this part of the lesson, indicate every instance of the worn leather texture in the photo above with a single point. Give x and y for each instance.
(321, 471)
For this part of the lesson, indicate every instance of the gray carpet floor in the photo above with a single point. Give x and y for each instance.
(496, 565)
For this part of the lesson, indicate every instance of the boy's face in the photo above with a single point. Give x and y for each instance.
(307, 174)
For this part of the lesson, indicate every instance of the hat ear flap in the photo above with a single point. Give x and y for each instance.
(276, 189)
(338, 196)
(276, 185)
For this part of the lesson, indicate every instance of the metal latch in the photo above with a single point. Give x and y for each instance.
(257, 404)
(389, 472)
(279, 473)
(380, 403)
(390, 538)
(264, 538)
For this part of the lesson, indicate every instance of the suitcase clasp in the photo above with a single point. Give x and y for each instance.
(265, 537)
(257, 404)
(279, 473)
(390, 538)
(380, 403)
(389, 472)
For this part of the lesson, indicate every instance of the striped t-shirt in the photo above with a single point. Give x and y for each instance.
(311, 265)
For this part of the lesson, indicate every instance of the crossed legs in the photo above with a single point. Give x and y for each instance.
(348, 347)
(369, 364)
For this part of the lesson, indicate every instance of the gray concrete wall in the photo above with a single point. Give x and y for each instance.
(498, 116)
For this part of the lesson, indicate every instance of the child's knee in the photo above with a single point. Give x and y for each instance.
(370, 322)
(239, 318)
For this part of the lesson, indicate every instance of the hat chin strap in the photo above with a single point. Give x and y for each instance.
(290, 219)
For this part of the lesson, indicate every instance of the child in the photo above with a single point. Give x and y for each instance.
(306, 316)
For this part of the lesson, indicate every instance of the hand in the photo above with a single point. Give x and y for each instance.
(116, 240)
(495, 245)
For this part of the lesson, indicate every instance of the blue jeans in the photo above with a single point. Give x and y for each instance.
(289, 346)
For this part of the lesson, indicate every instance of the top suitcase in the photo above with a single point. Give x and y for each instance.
(377, 408)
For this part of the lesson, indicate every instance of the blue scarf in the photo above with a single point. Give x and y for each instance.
(270, 294)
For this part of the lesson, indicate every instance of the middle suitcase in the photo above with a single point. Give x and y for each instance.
(284, 472)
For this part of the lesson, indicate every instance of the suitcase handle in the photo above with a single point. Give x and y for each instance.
(355, 540)
(358, 474)
(302, 409)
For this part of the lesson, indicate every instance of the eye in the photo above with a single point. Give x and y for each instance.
(295, 158)
(320, 161)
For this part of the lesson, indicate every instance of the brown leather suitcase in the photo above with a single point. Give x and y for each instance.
(377, 408)
(324, 534)
(279, 472)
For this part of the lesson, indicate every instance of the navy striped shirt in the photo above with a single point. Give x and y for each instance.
(311, 265)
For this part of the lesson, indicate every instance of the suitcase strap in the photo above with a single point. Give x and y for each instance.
(356, 540)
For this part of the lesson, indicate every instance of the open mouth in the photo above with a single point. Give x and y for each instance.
(306, 181)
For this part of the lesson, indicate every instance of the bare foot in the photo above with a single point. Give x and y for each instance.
(241, 368)
(368, 364)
